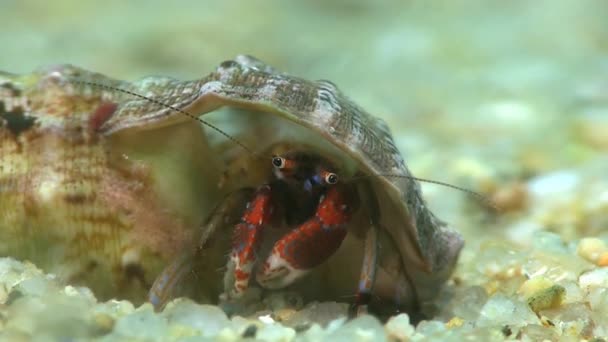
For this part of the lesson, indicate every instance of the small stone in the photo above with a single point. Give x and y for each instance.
(534, 285)
(602, 261)
(54, 315)
(574, 319)
(35, 286)
(102, 324)
(454, 323)
(207, 319)
(80, 291)
(275, 332)
(574, 294)
(595, 278)
(592, 127)
(240, 324)
(399, 328)
(542, 294)
(548, 242)
(511, 198)
(522, 232)
(282, 315)
(11, 267)
(506, 330)
(321, 313)
(548, 298)
(283, 300)
(335, 324)
(314, 333)
(552, 186)
(554, 260)
(266, 319)
(248, 304)
(226, 334)
(535, 332)
(501, 310)
(250, 331)
(115, 308)
(141, 324)
(501, 261)
(598, 300)
(430, 328)
(592, 249)
(468, 302)
(363, 328)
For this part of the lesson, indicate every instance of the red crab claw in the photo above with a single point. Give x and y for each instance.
(247, 238)
(310, 244)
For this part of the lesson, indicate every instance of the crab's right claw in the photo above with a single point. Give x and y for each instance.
(310, 244)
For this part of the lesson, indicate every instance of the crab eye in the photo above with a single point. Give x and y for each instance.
(331, 178)
(278, 162)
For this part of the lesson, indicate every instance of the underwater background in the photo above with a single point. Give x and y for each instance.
(509, 99)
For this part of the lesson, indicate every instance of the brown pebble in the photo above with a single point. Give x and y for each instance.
(602, 261)
(104, 323)
(283, 315)
(511, 198)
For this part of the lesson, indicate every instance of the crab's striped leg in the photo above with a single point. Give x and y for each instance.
(174, 279)
(368, 272)
(247, 238)
(309, 244)
(167, 284)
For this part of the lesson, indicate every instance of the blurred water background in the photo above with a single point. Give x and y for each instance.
(474, 90)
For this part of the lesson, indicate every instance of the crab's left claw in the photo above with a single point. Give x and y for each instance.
(246, 241)
(309, 244)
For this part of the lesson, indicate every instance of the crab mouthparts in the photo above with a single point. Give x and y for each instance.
(308, 185)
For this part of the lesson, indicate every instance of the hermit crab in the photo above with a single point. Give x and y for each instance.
(311, 192)
(406, 253)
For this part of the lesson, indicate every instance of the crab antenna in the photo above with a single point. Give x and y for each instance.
(166, 105)
(483, 199)
(477, 195)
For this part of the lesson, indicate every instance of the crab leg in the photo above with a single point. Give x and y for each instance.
(173, 280)
(310, 244)
(368, 272)
(166, 285)
(247, 238)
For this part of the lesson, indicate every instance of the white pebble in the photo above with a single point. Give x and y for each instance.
(266, 319)
(501, 310)
(209, 320)
(399, 327)
(275, 332)
(596, 278)
(553, 185)
(591, 248)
